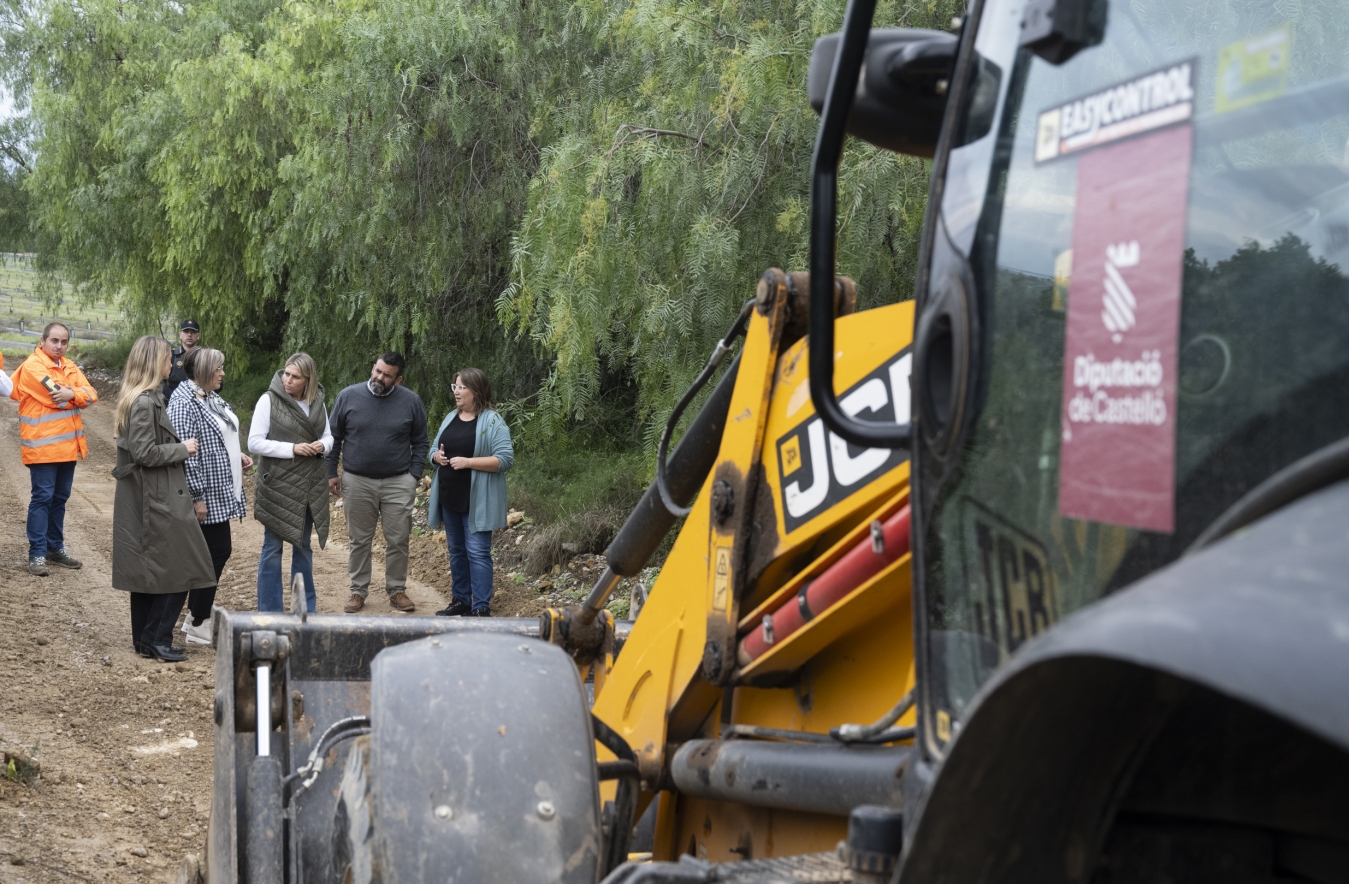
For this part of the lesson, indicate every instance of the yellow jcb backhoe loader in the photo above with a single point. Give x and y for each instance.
(1039, 577)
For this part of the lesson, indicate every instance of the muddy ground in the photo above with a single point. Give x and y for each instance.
(121, 785)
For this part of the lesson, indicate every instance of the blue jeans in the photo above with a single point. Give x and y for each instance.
(270, 589)
(470, 561)
(47, 507)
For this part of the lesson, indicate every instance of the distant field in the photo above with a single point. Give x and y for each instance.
(23, 313)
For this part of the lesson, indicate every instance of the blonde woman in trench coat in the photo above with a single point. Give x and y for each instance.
(158, 552)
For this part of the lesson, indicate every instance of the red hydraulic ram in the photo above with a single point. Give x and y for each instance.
(857, 566)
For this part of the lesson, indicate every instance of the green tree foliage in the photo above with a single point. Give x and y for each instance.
(682, 173)
(15, 229)
(397, 208)
(161, 132)
(606, 180)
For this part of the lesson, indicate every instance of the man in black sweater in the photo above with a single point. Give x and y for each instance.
(379, 435)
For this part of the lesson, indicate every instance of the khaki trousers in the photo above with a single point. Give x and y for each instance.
(388, 502)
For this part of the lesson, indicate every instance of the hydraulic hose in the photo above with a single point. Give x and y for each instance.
(856, 733)
(624, 770)
(342, 729)
(723, 347)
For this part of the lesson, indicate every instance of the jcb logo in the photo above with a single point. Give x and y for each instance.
(817, 469)
(1013, 587)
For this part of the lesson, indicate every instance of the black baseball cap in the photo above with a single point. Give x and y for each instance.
(189, 325)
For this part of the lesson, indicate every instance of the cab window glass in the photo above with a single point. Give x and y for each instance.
(1262, 342)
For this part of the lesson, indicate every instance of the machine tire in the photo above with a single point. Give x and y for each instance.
(354, 819)
(457, 772)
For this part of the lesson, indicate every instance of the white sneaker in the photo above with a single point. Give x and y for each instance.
(200, 635)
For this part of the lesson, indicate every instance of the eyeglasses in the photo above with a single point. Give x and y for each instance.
(459, 388)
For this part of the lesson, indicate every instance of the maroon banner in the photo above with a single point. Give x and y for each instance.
(1118, 458)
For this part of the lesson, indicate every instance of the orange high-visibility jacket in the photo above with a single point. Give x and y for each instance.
(47, 433)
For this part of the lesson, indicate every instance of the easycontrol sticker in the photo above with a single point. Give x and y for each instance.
(1150, 101)
(1117, 461)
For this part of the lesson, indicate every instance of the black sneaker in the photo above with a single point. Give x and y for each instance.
(481, 612)
(456, 609)
(37, 566)
(65, 560)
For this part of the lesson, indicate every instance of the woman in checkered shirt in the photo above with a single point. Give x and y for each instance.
(215, 474)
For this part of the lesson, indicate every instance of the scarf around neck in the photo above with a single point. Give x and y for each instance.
(215, 404)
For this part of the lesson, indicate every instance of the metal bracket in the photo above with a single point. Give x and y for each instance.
(587, 637)
(260, 648)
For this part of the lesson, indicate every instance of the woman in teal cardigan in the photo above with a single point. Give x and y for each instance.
(472, 452)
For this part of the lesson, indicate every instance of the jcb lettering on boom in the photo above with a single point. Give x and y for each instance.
(818, 469)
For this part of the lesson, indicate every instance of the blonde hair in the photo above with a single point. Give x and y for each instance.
(304, 364)
(144, 371)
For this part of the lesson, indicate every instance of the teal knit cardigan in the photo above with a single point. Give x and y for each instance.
(487, 491)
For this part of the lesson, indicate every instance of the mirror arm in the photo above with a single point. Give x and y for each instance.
(823, 219)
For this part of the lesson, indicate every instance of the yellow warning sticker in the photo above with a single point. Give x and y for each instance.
(943, 725)
(1253, 70)
(721, 578)
(791, 455)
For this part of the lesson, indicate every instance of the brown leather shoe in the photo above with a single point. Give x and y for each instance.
(354, 604)
(401, 601)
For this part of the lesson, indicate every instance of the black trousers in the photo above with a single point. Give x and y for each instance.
(219, 542)
(153, 616)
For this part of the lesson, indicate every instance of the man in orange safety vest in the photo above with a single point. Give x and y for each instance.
(51, 392)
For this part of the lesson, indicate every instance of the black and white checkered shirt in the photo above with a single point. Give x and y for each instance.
(209, 474)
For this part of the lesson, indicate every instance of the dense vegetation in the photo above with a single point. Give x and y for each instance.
(573, 194)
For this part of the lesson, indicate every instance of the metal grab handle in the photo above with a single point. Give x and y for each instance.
(823, 218)
(263, 673)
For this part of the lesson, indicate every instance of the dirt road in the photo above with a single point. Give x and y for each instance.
(123, 743)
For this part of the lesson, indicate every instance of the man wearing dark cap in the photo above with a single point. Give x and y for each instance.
(189, 334)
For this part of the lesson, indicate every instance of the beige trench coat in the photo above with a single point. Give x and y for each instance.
(157, 544)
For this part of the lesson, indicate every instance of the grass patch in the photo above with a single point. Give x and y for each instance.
(103, 355)
(578, 498)
(22, 767)
(552, 484)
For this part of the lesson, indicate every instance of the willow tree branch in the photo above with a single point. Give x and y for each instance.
(9, 151)
(763, 168)
(641, 132)
(720, 35)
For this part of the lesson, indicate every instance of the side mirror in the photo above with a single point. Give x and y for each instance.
(901, 94)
